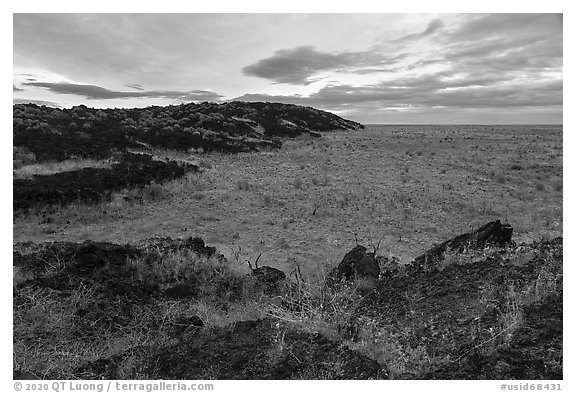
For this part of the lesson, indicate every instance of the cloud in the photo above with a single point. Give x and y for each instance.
(487, 61)
(134, 86)
(460, 62)
(481, 27)
(93, 92)
(258, 97)
(298, 65)
(434, 26)
(506, 42)
(14, 88)
(430, 91)
(474, 44)
(37, 102)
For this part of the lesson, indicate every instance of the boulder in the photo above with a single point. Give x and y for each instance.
(268, 274)
(493, 233)
(167, 244)
(357, 263)
(268, 278)
(101, 255)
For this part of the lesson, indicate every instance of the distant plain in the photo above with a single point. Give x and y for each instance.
(308, 202)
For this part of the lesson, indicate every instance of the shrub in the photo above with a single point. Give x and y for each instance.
(500, 178)
(210, 278)
(22, 156)
(154, 192)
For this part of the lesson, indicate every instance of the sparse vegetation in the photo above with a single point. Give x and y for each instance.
(50, 168)
(43, 133)
(94, 184)
(170, 312)
(243, 185)
(170, 293)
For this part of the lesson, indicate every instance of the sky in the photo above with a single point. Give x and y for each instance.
(372, 68)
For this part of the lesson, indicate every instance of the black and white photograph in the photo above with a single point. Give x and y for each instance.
(287, 196)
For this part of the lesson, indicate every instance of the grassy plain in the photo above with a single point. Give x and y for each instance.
(414, 185)
(308, 203)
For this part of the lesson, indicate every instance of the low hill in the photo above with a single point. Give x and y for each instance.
(41, 133)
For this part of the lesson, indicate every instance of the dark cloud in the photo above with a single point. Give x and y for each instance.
(134, 86)
(14, 88)
(37, 102)
(94, 92)
(369, 70)
(298, 65)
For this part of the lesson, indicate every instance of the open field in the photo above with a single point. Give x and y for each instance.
(168, 306)
(416, 185)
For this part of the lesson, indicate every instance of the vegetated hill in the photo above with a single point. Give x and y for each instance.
(42, 133)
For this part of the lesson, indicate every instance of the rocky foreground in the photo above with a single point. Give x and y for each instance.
(475, 307)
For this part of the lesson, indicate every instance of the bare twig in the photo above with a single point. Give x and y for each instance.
(375, 248)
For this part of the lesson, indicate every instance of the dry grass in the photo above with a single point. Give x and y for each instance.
(415, 185)
(305, 205)
(51, 339)
(50, 168)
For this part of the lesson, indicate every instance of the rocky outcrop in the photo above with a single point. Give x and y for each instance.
(93, 185)
(268, 278)
(253, 349)
(357, 263)
(493, 233)
(464, 315)
(44, 133)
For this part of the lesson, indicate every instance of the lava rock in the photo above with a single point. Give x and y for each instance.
(102, 255)
(357, 263)
(493, 233)
(269, 279)
(262, 349)
(268, 274)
